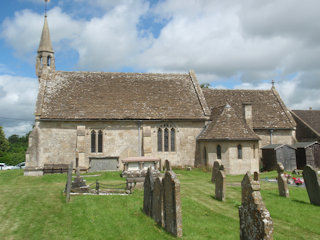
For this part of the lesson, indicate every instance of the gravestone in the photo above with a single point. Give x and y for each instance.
(157, 202)
(167, 165)
(216, 167)
(69, 181)
(172, 204)
(148, 191)
(255, 220)
(79, 184)
(220, 186)
(282, 181)
(311, 181)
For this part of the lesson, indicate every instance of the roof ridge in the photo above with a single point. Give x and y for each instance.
(311, 128)
(145, 73)
(248, 90)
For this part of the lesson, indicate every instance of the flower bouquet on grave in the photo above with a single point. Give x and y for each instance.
(297, 181)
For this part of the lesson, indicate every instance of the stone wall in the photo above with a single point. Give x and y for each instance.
(282, 136)
(229, 155)
(62, 142)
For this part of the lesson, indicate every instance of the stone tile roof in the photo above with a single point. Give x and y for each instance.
(310, 117)
(96, 95)
(227, 125)
(268, 110)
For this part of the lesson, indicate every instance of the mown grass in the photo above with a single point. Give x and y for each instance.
(35, 208)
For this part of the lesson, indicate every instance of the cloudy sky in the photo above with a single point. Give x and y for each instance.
(229, 44)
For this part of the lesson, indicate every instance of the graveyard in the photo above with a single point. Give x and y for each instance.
(36, 208)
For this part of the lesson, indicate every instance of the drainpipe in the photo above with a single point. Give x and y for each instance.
(139, 138)
(271, 131)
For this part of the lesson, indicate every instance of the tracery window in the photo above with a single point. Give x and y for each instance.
(166, 138)
(239, 151)
(96, 141)
(218, 152)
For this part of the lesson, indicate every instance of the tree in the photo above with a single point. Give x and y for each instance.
(205, 85)
(4, 143)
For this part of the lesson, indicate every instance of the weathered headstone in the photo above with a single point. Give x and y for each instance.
(312, 181)
(172, 204)
(157, 202)
(282, 181)
(255, 220)
(148, 192)
(167, 165)
(220, 186)
(69, 181)
(216, 167)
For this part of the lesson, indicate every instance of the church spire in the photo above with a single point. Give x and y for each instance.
(45, 57)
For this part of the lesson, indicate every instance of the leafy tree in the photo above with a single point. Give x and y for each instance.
(205, 85)
(4, 144)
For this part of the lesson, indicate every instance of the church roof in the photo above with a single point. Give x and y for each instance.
(227, 125)
(310, 117)
(268, 110)
(118, 96)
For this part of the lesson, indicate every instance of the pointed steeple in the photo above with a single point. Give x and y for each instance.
(45, 58)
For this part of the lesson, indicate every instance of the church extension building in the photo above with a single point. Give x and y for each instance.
(99, 117)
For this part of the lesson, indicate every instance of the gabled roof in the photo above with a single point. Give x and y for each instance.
(304, 144)
(310, 117)
(268, 110)
(227, 125)
(118, 96)
(276, 146)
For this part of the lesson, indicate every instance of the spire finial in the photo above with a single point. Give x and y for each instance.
(272, 82)
(46, 7)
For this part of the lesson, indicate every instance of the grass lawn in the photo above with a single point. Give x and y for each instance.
(35, 208)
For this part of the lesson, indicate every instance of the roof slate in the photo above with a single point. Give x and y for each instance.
(268, 110)
(227, 125)
(304, 144)
(311, 117)
(96, 95)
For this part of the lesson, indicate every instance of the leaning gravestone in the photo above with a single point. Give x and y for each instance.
(172, 204)
(220, 186)
(311, 180)
(282, 181)
(157, 202)
(148, 191)
(216, 167)
(255, 220)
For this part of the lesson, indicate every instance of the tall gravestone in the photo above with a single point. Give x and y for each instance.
(220, 186)
(172, 204)
(311, 181)
(69, 182)
(167, 165)
(148, 192)
(157, 202)
(216, 167)
(282, 181)
(255, 220)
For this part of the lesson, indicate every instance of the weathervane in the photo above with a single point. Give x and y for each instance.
(45, 8)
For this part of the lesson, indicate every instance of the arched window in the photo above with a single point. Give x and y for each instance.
(100, 137)
(239, 151)
(218, 152)
(173, 140)
(254, 151)
(40, 59)
(159, 140)
(205, 161)
(166, 140)
(48, 61)
(93, 141)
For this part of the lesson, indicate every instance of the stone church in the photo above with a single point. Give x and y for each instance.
(102, 117)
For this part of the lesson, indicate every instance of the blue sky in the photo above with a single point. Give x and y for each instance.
(229, 44)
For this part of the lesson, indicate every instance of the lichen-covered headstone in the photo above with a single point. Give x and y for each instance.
(148, 192)
(255, 220)
(167, 165)
(220, 186)
(282, 181)
(157, 202)
(172, 204)
(312, 181)
(216, 167)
